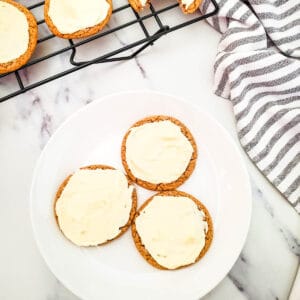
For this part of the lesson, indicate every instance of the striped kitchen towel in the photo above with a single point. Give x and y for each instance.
(258, 68)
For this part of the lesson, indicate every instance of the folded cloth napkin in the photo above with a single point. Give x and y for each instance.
(258, 68)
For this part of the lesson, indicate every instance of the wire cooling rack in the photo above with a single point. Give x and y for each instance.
(161, 18)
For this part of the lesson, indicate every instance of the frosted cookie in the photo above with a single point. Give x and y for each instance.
(159, 153)
(18, 35)
(139, 5)
(95, 205)
(189, 6)
(71, 19)
(172, 230)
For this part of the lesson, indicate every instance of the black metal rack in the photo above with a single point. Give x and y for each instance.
(119, 54)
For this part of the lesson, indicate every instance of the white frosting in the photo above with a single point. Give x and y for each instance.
(158, 152)
(172, 229)
(143, 2)
(187, 3)
(14, 34)
(93, 206)
(70, 16)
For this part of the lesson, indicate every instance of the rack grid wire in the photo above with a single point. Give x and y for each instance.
(119, 54)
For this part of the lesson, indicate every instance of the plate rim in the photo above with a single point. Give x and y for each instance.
(181, 99)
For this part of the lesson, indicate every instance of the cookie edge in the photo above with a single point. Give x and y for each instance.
(132, 211)
(17, 63)
(82, 33)
(137, 6)
(143, 250)
(184, 176)
(192, 8)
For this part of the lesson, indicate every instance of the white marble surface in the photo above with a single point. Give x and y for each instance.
(180, 64)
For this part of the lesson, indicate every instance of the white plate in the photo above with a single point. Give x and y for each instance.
(117, 271)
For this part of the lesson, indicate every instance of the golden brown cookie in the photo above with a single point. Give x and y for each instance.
(103, 167)
(33, 35)
(192, 8)
(161, 186)
(142, 249)
(137, 5)
(80, 33)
